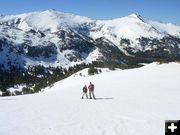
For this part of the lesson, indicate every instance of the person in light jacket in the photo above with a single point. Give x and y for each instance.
(91, 91)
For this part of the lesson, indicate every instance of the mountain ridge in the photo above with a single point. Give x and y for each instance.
(135, 14)
(54, 27)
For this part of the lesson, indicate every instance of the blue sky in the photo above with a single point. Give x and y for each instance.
(160, 10)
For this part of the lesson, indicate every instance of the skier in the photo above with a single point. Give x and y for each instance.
(85, 92)
(91, 91)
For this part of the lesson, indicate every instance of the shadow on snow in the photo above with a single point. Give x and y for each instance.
(103, 98)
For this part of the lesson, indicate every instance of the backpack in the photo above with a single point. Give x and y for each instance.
(84, 89)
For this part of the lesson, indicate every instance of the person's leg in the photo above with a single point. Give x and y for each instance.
(90, 95)
(86, 95)
(83, 95)
(93, 94)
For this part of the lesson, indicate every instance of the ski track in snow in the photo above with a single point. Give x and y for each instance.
(129, 102)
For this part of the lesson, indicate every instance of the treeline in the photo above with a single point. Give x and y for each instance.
(36, 78)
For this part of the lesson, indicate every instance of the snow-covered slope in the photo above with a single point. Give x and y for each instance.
(131, 27)
(168, 28)
(135, 101)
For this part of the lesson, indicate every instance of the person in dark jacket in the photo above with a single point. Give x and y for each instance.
(91, 91)
(85, 92)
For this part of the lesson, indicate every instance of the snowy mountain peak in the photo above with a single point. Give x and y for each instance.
(49, 20)
(134, 15)
(137, 16)
(77, 38)
(52, 10)
(52, 20)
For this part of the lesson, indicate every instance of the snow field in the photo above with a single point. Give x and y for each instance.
(135, 101)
